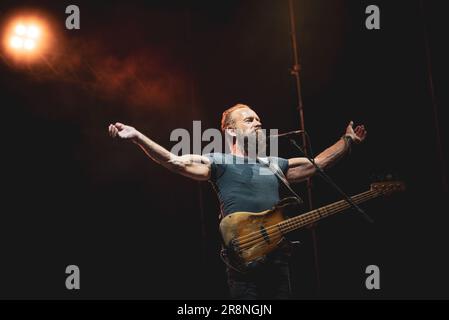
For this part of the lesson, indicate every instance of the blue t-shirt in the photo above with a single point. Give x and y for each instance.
(242, 185)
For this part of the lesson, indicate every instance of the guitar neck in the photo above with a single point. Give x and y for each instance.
(323, 212)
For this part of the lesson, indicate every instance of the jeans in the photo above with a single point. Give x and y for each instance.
(270, 280)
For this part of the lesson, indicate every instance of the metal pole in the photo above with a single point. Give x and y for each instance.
(439, 146)
(295, 72)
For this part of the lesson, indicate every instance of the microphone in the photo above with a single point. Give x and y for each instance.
(286, 135)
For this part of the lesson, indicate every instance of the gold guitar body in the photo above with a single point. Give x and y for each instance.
(249, 237)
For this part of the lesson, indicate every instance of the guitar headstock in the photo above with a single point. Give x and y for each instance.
(388, 187)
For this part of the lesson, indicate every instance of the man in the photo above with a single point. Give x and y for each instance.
(240, 186)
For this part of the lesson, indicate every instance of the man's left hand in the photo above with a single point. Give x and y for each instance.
(358, 134)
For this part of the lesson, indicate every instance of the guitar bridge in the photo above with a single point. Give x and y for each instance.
(234, 246)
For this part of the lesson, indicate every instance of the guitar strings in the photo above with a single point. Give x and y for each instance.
(299, 218)
(250, 239)
(248, 243)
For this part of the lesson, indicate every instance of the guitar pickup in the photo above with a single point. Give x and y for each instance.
(265, 235)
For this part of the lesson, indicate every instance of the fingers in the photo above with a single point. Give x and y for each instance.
(113, 131)
(360, 131)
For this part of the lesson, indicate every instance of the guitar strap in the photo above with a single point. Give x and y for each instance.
(280, 175)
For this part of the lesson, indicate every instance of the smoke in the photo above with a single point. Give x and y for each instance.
(137, 62)
(140, 78)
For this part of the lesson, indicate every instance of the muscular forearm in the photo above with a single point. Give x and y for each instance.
(155, 151)
(301, 168)
(331, 155)
(193, 166)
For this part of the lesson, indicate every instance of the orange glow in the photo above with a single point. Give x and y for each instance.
(26, 37)
(20, 30)
(33, 32)
(29, 44)
(16, 42)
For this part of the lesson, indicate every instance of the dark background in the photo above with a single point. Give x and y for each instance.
(72, 195)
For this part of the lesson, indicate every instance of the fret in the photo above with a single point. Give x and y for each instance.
(323, 212)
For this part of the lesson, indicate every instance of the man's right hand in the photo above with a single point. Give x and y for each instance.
(123, 131)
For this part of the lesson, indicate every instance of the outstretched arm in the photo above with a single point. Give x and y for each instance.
(193, 166)
(300, 169)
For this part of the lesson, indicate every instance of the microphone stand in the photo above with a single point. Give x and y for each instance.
(332, 183)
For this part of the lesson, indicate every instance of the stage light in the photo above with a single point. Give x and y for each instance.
(33, 32)
(27, 37)
(20, 30)
(16, 42)
(29, 44)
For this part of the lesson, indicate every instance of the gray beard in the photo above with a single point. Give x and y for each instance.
(254, 144)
